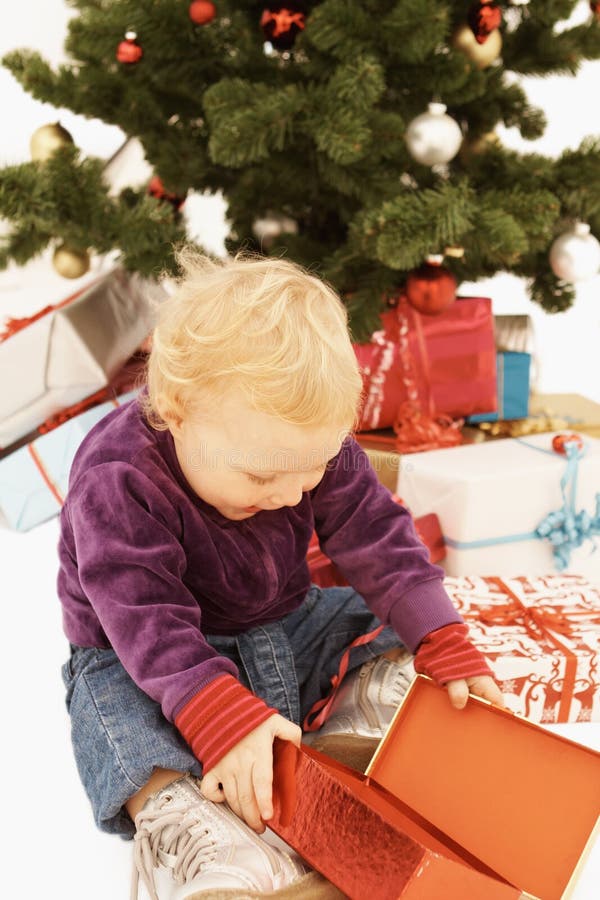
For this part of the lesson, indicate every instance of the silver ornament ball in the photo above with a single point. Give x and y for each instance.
(575, 255)
(272, 225)
(433, 137)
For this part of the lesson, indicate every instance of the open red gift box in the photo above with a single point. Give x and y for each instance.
(472, 804)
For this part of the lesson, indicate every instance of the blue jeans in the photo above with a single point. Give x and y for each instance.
(120, 734)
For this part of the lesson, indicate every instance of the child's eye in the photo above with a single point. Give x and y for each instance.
(258, 480)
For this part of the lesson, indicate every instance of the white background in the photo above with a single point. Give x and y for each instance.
(54, 847)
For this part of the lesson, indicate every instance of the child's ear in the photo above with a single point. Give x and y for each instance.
(168, 414)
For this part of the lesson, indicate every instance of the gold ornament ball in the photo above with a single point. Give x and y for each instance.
(70, 263)
(474, 147)
(483, 55)
(45, 141)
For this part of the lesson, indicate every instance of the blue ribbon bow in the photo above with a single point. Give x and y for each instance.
(565, 528)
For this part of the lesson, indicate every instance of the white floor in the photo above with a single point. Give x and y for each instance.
(53, 842)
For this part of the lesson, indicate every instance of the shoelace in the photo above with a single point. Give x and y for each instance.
(401, 679)
(172, 838)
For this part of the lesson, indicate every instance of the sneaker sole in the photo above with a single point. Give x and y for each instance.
(352, 750)
(311, 886)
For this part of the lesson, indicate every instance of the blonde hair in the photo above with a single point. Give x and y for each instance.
(265, 326)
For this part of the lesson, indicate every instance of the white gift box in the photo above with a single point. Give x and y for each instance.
(490, 499)
(72, 351)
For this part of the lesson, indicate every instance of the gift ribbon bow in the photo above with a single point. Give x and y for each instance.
(540, 622)
(564, 528)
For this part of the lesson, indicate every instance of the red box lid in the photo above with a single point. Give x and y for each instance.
(519, 798)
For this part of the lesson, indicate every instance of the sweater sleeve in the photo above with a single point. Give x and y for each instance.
(448, 654)
(218, 717)
(130, 567)
(373, 542)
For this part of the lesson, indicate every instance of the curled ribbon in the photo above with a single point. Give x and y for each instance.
(564, 528)
(416, 430)
(320, 710)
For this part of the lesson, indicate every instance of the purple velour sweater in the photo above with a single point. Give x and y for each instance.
(148, 568)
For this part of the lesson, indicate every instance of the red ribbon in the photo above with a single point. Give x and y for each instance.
(104, 394)
(321, 709)
(540, 622)
(13, 326)
(32, 450)
(45, 474)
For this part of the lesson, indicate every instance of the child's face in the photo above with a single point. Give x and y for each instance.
(249, 461)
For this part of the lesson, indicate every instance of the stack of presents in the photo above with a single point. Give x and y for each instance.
(62, 369)
(458, 804)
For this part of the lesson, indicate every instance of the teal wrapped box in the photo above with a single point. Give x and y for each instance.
(35, 478)
(513, 371)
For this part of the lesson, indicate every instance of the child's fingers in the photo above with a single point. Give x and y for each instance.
(262, 779)
(489, 690)
(286, 730)
(244, 802)
(458, 693)
(211, 788)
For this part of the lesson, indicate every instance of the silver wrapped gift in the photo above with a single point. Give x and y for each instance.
(514, 333)
(71, 350)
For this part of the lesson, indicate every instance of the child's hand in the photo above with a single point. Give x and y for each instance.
(481, 685)
(447, 653)
(244, 776)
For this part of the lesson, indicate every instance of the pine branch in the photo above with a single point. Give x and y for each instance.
(316, 134)
(248, 121)
(402, 232)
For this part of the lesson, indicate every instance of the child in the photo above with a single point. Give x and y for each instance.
(196, 637)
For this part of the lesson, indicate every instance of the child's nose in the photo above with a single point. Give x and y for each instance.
(288, 494)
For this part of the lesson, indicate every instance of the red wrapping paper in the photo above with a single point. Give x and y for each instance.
(452, 361)
(364, 840)
(471, 804)
(541, 637)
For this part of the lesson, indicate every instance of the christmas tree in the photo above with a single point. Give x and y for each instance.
(315, 121)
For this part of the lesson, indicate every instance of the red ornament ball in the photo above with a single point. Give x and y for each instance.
(483, 18)
(202, 12)
(129, 51)
(281, 22)
(157, 189)
(559, 442)
(430, 288)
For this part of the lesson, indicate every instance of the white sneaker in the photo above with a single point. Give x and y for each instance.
(362, 710)
(187, 846)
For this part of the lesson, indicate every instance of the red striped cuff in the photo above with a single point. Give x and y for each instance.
(447, 654)
(219, 716)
